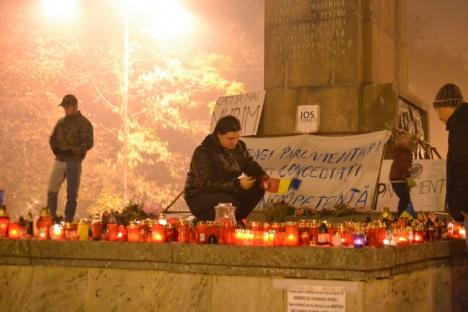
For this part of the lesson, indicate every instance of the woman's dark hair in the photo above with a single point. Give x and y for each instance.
(227, 124)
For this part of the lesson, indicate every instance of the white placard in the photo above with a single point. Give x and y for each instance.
(429, 192)
(308, 118)
(332, 170)
(317, 299)
(247, 107)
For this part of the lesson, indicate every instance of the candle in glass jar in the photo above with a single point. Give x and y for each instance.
(202, 234)
(4, 220)
(15, 231)
(323, 235)
(83, 230)
(43, 223)
(133, 233)
(268, 238)
(291, 234)
(112, 231)
(462, 233)
(71, 231)
(121, 233)
(359, 240)
(57, 232)
(96, 228)
(157, 233)
(336, 239)
(184, 232)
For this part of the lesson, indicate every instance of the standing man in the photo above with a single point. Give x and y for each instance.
(71, 139)
(453, 111)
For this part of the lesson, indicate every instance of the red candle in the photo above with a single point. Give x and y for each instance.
(170, 233)
(4, 220)
(71, 231)
(133, 232)
(43, 225)
(462, 233)
(304, 234)
(112, 231)
(313, 231)
(291, 234)
(268, 238)
(418, 237)
(15, 231)
(96, 229)
(183, 236)
(56, 232)
(121, 233)
(202, 237)
(157, 233)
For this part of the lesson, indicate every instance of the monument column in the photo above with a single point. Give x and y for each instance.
(348, 56)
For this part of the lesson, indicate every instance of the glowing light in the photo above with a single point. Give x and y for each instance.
(160, 19)
(462, 233)
(61, 10)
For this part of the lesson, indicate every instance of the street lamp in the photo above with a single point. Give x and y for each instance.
(162, 19)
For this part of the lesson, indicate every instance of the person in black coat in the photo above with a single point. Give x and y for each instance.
(452, 110)
(222, 171)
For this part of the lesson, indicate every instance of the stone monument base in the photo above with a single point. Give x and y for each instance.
(112, 276)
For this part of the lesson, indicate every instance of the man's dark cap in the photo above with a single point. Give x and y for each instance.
(69, 100)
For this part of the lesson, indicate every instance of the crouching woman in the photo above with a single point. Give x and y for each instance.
(222, 171)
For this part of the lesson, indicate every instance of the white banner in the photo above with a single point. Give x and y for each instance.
(246, 107)
(429, 192)
(332, 170)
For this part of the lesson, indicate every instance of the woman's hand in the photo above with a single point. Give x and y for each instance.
(265, 182)
(246, 182)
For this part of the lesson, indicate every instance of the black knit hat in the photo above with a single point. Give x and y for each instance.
(448, 96)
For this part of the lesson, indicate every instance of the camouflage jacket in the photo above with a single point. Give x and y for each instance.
(73, 133)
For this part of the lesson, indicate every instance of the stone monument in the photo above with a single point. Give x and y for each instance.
(348, 56)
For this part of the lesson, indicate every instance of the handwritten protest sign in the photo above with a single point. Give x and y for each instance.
(429, 192)
(246, 107)
(333, 170)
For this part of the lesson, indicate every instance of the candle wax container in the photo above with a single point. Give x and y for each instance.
(133, 233)
(96, 230)
(83, 230)
(184, 232)
(4, 226)
(15, 230)
(112, 231)
(323, 235)
(359, 240)
(121, 233)
(336, 240)
(56, 232)
(202, 234)
(4, 220)
(291, 234)
(71, 231)
(462, 233)
(158, 233)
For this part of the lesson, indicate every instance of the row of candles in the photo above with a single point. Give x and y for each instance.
(303, 233)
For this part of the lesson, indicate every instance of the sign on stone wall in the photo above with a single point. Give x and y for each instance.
(247, 107)
(308, 118)
(317, 298)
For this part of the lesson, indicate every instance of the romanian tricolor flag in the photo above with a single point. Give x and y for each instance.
(282, 186)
